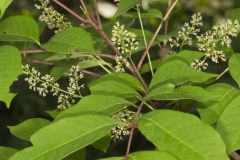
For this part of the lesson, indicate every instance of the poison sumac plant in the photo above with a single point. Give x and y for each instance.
(173, 101)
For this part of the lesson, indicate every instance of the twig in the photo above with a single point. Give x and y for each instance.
(90, 73)
(133, 127)
(155, 34)
(221, 74)
(145, 40)
(40, 62)
(32, 51)
(90, 17)
(79, 17)
(235, 156)
(97, 14)
(163, 49)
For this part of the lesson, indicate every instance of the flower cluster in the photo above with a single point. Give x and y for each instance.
(51, 17)
(66, 99)
(45, 84)
(218, 35)
(189, 29)
(37, 82)
(121, 64)
(119, 132)
(199, 65)
(209, 42)
(124, 40)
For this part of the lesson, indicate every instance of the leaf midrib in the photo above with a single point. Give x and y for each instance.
(82, 135)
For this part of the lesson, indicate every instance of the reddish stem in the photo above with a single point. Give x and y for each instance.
(133, 127)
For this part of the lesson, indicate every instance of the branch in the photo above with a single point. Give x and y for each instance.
(235, 156)
(79, 17)
(155, 34)
(97, 14)
(90, 73)
(90, 17)
(133, 127)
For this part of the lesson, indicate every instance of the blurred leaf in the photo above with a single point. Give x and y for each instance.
(61, 68)
(79, 155)
(27, 128)
(234, 67)
(70, 39)
(64, 137)
(151, 13)
(3, 6)
(100, 104)
(19, 28)
(126, 5)
(210, 112)
(102, 144)
(234, 14)
(228, 125)
(10, 62)
(6, 152)
(171, 130)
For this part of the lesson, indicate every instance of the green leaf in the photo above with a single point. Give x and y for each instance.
(183, 135)
(61, 68)
(186, 55)
(27, 128)
(123, 78)
(10, 62)
(151, 13)
(234, 14)
(3, 6)
(210, 112)
(228, 125)
(234, 67)
(19, 28)
(146, 155)
(126, 5)
(79, 155)
(68, 40)
(100, 104)
(6, 152)
(102, 144)
(178, 72)
(66, 136)
(186, 92)
(114, 88)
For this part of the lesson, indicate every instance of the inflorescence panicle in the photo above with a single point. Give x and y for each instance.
(119, 132)
(45, 84)
(54, 20)
(126, 42)
(185, 35)
(209, 42)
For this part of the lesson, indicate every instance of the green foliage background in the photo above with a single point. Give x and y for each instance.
(27, 104)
